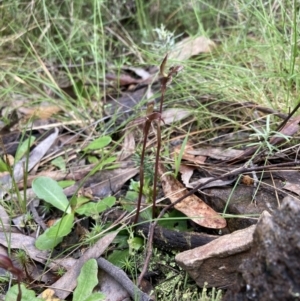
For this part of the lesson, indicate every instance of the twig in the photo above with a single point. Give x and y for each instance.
(285, 121)
(121, 277)
(156, 169)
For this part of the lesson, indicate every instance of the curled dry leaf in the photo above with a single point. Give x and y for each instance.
(174, 114)
(186, 173)
(191, 46)
(40, 112)
(192, 206)
(292, 187)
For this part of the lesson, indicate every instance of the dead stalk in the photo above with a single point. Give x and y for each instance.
(152, 116)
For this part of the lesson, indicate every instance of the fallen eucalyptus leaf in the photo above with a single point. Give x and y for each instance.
(192, 206)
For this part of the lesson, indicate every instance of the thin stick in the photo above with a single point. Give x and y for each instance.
(138, 208)
(121, 277)
(156, 169)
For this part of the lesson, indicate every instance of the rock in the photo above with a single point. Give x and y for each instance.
(241, 203)
(217, 262)
(273, 272)
(239, 200)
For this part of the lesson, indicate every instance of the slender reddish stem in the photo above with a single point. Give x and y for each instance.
(156, 169)
(138, 208)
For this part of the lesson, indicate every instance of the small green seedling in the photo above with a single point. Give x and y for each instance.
(50, 191)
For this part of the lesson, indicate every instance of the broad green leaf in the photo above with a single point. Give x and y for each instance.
(98, 143)
(87, 209)
(24, 148)
(77, 202)
(90, 208)
(117, 257)
(44, 242)
(95, 297)
(27, 295)
(86, 281)
(62, 227)
(105, 203)
(49, 190)
(54, 235)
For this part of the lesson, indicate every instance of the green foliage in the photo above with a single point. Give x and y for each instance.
(47, 189)
(23, 148)
(92, 236)
(98, 143)
(59, 162)
(117, 257)
(93, 209)
(3, 166)
(50, 191)
(256, 58)
(86, 282)
(62, 227)
(132, 195)
(27, 295)
(213, 295)
(177, 159)
(263, 136)
(66, 183)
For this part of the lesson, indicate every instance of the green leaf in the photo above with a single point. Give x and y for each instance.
(92, 159)
(24, 148)
(44, 242)
(102, 163)
(90, 208)
(59, 162)
(62, 227)
(54, 235)
(3, 166)
(87, 209)
(95, 297)
(27, 295)
(117, 257)
(135, 243)
(86, 281)
(106, 203)
(98, 143)
(77, 202)
(66, 183)
(49, 190)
